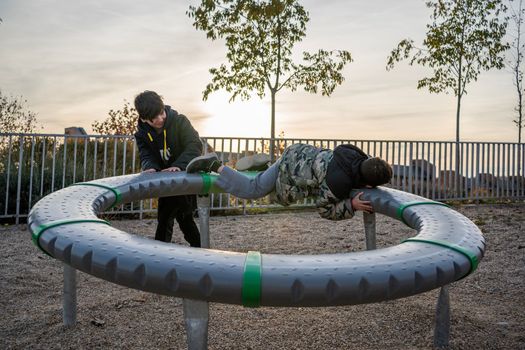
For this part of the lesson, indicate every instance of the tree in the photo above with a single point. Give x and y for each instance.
(15, 117)
(516, 62)
(259, 37)
(464, 38)
(120, 122)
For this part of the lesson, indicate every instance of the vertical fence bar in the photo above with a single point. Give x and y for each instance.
(105, 157)
(434, 171)
(453, 171)
(75, 159)
(429, 177)
(424, 174)
(440, 173)
(447, 172)
(64, 162)
(84, 162)
(467, 170)
(513, 178)
(133, 156)
(521, 174)
(464, 162)
(19, 182)
(398, 180)
(421, 168)
(115, 142)
(477, 172)
(506, 169)
(461, 175)
(484, 168)
(480, 171)
(124, 155)
(493, 178)
(8, 174)
(53, 164)
(498, 172)
(95, 150)
(31, 165)
(473, 172)
(509, 171)
(43, 167)
(411, 169)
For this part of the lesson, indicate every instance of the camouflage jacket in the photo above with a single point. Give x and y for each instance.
(302, 172)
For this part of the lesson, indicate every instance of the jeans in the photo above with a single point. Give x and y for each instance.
(247, 187)
(178, 208)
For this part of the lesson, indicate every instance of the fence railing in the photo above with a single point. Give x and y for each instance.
(34, 165)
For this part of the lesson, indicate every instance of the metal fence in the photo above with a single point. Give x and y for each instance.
(34, 165)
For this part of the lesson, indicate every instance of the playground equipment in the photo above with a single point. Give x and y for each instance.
(65, 225)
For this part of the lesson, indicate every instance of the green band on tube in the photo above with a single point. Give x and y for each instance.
(251, 282)
(468, 254)
(402, 208)
(206, 183)
(40, 229)
(118, 195)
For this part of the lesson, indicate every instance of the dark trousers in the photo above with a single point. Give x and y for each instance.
(178, 208)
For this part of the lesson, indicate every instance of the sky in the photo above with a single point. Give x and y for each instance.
(73, 61)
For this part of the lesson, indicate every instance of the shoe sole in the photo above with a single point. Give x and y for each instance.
(254, 161)
(200, 161)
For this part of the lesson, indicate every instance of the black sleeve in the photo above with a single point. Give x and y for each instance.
(147, 160)
(191, 143)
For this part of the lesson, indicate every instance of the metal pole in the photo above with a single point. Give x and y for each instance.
(370, 230)
(69, 300)
(203, 207)
(196, 312)
(442, 327)
(19, 183)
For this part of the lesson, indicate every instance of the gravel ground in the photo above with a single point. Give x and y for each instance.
(487, 308)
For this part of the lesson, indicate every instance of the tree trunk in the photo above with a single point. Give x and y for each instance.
(520, 121)
(272, 129)
(457, 181)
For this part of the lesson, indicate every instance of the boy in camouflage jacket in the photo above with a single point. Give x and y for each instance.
(307, 171)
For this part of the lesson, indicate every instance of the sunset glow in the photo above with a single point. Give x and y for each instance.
(247, 118)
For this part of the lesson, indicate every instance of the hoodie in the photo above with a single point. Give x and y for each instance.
(175, 146)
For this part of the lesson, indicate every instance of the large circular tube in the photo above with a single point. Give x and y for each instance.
(64, 224)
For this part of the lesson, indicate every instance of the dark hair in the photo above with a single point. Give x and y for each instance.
(148, 105)
(376, 172)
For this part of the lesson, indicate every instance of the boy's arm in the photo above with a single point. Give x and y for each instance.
(191, 142)
(336, 211)
(329, 207)
(343, 209)
(147, 161)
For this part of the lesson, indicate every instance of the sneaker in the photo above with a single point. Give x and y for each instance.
(256, 162)
(206, 163)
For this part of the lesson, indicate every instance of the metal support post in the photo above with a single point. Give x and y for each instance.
(196, 312)
(69, 299)
(203, 207)
(370, 230)
(442, 327)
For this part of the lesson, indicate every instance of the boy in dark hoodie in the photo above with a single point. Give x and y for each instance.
(168, 142)
(303, 171)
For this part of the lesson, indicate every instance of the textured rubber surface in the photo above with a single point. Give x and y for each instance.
(217, 276)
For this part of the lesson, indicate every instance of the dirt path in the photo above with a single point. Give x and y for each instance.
(488, 307)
